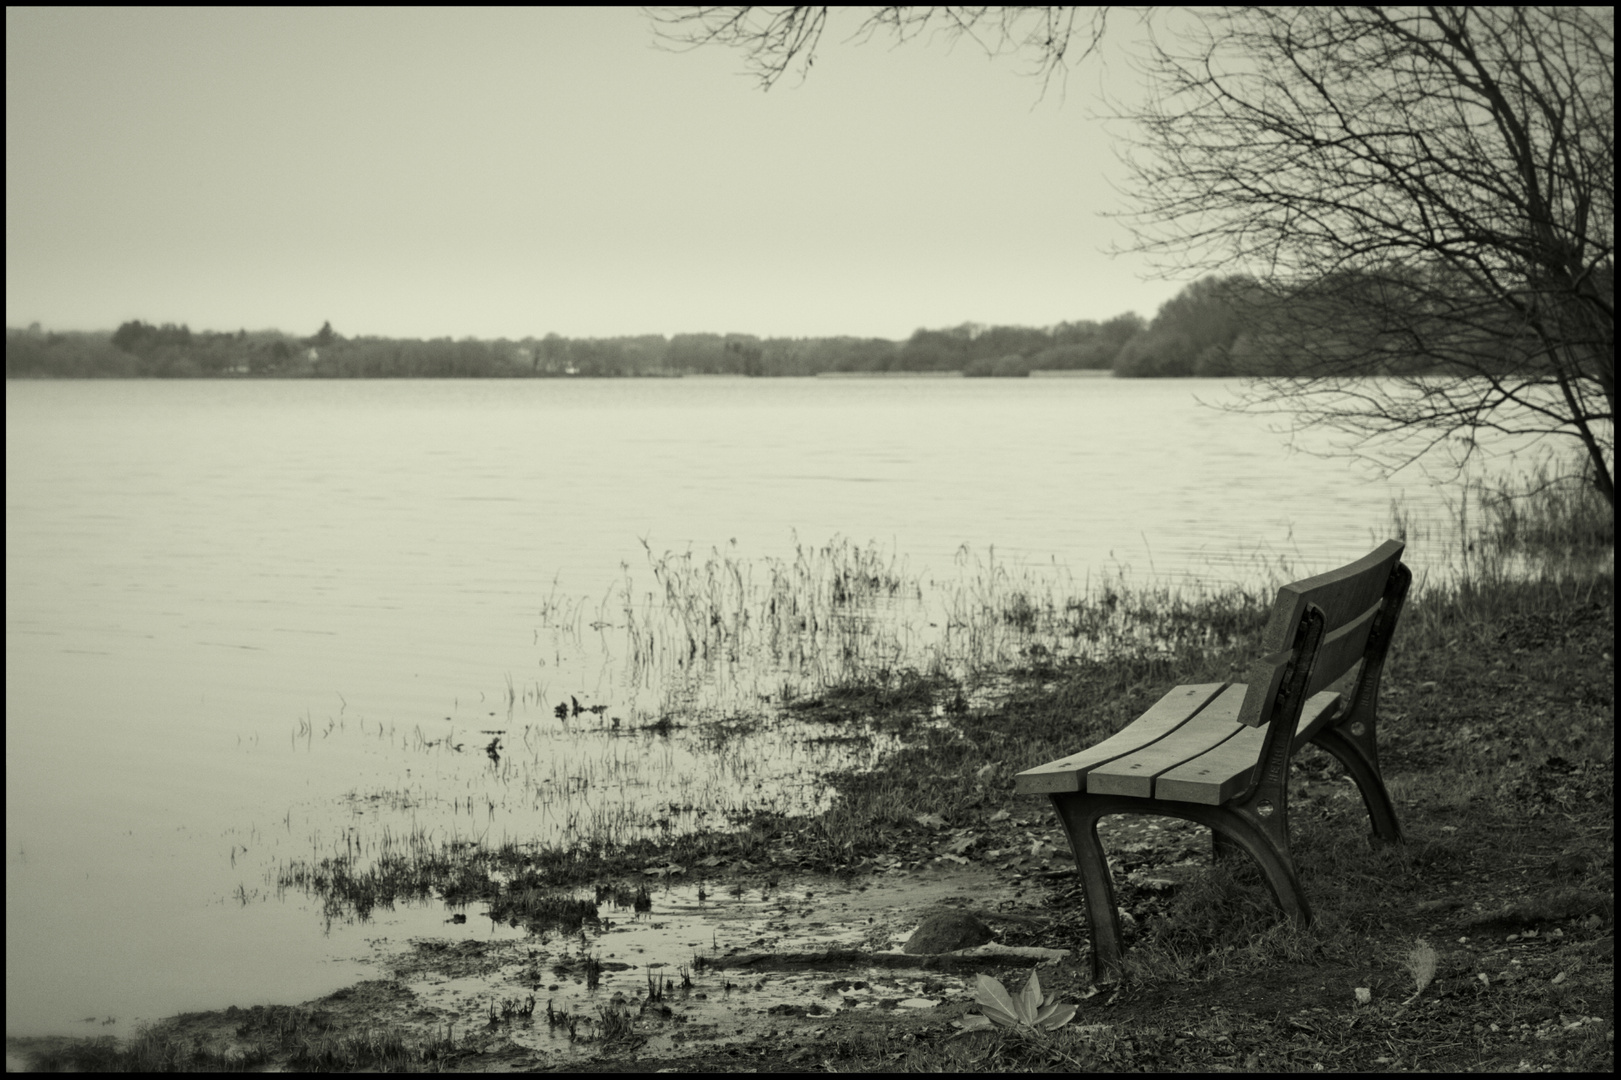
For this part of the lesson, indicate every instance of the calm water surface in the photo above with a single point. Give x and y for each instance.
(248, 620)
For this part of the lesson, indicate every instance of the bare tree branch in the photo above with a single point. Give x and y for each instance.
(1424, 203)
(774, 41)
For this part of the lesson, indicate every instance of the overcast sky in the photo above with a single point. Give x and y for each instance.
(507, 173)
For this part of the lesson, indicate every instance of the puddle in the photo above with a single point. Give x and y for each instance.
(715, 970)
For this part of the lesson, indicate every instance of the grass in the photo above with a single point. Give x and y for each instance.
(810, 615)
(1549, 511)
(721, 633)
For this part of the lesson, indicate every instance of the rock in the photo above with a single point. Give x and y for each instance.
(947, 933)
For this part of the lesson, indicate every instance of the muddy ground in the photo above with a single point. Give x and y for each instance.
(714, 975)
(775, 963)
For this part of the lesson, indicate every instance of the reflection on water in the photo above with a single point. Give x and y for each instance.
(253, 622)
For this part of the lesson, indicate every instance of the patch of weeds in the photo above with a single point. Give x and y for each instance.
(521, 903)
(282, 1022)
(1020, 613)
(349, 892)
(663, 726)
(148, 1050)
(623, 896)
(562, 1018)
(510, 1009)
(383, 1050)
(1546, 514)
(616, 1024)
(885, 693)
(276, 1037)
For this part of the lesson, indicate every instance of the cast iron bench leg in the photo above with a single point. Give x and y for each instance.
(1239, 825)
(1079, 814)
(1359, 755)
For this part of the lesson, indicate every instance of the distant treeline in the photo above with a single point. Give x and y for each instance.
(1199, 332)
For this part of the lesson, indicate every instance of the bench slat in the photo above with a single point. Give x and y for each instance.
(1343, 594)
(1134, 773)
(1342, 648)
(1223, 771)
(1321, 709)
(1163, 717)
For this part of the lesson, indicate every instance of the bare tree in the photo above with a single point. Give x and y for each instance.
(1425, 195)
(1422, 195)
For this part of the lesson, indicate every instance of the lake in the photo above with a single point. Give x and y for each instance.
(253, 621)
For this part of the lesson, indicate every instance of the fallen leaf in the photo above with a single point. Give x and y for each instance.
(1028, 1003)
(994, 1000)
(1055, 1016)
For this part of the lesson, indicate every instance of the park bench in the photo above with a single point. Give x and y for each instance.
(1218, 753)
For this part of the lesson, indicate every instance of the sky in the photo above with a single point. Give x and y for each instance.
(517, 172)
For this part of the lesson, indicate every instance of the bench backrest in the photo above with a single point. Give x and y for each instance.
(1360, 603)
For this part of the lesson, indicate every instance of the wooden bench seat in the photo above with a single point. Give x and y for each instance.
(1216, 753)
(1188, 746)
